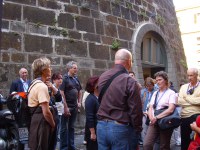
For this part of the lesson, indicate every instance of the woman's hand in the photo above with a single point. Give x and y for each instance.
(66, 111)
(153, 120)
(193, 126)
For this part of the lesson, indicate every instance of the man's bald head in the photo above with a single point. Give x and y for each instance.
(193, 70)
(124, 57)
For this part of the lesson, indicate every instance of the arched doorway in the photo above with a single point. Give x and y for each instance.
(143, 68)
(153, 54)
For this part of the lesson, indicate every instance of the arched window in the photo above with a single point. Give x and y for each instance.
(152, 51)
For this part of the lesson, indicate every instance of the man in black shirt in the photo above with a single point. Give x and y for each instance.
(71, 92)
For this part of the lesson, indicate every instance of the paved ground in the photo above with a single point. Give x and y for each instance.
(80, 146)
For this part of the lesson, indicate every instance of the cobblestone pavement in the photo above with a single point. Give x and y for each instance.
(80, 146)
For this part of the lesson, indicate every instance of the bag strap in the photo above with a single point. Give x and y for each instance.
(155, 102)
(105, 87)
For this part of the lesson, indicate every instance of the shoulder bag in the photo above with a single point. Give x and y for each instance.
(169, 122)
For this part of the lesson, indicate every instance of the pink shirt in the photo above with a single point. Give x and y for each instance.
(164, 98)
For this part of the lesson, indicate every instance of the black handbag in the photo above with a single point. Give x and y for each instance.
(169, 122)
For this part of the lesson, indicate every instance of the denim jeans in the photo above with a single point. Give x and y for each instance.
(67, 131)
(114, 136)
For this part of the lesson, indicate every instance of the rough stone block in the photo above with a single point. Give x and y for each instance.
(105, 6)
(125, 13)
(39, 16)
(74, 35)
(93, 4)
(66, 21)
(85, 11)
(138, 2)
(134, 16)
(123, 44)
(85, 63)
(37, 29)
(81, 24)
(55, 60)
(91, 37)
(116, 11)
(98, 72)
(131, 24)
(111, 18)
(110, 64)
(122, 22)
(11, 11)
(100, 64)
(18, 58)
(151, 8)
(71, 48)
(49, 4)
(65, 1)
(10, 40)
(5, 24)
(99, 27)
(38, 44)
(99, 51)
(136, 8)
(71, 9)
(110, 29)
(83, 75)
(77, 2)
(66, 59)
(32, 57)
(17, 26)
(107, 40)
(28, 2)
(5, 56)
(125, 33)
(95, 14)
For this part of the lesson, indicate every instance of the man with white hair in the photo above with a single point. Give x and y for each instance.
(120, 111)
(189, 100)
(21, 84)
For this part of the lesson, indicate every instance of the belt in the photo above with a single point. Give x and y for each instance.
(117, 122)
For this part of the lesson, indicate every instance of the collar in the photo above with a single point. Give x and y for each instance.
(118, 66)
(23, 80)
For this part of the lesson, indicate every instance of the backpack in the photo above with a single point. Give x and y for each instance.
(17, 103)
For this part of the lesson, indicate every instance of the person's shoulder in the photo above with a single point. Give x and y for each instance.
(16, 81)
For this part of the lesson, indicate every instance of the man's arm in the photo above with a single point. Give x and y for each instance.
(66, 109)
(193, 100)
(79, 98)
(135, 106)
(181, 98)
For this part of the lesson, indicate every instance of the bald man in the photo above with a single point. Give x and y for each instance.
(120, 111)
(189, 100)
(21, 84)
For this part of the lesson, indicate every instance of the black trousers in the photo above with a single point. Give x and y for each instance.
(91, 145)
(186, 131)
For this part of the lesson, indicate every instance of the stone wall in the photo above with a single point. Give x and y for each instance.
(84, 31)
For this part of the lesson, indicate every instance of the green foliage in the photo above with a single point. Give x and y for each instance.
(183, 63)
(143, 14)
(54, 21)
(38, 24)
(117, 2)
(115, 44)
(71, 40)
(64, 32)
(129, 5)
(160, 20)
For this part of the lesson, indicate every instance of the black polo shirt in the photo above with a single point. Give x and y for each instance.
(71, 87)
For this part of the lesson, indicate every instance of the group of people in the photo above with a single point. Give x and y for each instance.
(118, 111)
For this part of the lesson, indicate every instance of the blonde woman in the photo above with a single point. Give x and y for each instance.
(42, 122)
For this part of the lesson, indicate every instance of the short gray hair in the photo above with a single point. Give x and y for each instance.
(194, 70)
(70, 64)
